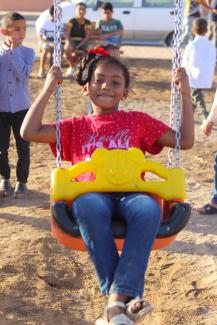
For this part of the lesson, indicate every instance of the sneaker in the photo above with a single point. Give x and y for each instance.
(70, 73)
(203, 122)
(41, 74)
(20, 190)
(5, 188)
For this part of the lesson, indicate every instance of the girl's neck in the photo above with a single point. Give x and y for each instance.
(99, 111)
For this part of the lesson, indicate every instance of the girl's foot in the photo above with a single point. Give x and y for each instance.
(138, 308)
(115, 316)
(117, 305)
(115, 310)
(126, 311)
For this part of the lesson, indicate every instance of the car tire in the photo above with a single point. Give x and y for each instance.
(169, 40)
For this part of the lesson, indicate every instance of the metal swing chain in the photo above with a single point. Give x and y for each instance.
(57, 63)
(175, 101)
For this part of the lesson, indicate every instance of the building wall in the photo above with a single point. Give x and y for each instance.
(24, 5)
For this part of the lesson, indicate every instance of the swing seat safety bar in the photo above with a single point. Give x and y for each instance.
(118, 170)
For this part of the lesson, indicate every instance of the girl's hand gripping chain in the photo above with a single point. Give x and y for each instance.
(54, 78)
(181, 80)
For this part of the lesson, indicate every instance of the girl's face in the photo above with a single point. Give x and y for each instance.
(106, 88)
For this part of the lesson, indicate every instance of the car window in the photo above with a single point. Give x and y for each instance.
(115, 3)
(158, 3)
(121, 3)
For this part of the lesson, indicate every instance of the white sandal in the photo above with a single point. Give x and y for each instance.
(147, 308)
(120, 319)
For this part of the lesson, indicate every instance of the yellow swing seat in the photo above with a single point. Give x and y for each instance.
(118, 170)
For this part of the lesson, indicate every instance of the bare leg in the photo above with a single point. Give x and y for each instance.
(43, 58)
(69, 51)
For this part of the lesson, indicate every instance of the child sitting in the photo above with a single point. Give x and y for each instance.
(111, 29)
(106, 81)
(78, 34)
(46, 35)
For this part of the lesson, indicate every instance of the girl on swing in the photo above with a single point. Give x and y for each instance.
(106, 81)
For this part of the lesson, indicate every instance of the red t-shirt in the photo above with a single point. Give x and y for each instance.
(80, 136)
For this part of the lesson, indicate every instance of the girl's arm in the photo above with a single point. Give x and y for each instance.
(187, 120)
(32, 128)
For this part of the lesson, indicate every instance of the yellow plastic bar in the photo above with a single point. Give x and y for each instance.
(118, 170)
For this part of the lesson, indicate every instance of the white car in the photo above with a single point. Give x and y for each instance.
(144, 21)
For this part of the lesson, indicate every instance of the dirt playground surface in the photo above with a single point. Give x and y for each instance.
(43, 283)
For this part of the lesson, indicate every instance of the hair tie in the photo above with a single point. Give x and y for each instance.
(99, 51)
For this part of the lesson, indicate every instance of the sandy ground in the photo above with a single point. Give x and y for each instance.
(43, 283)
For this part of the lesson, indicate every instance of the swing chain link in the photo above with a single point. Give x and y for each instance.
(57, 63)
(175, 99)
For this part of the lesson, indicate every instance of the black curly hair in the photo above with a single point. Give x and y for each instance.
(89, 64)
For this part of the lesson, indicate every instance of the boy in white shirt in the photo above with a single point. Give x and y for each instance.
(199, 61)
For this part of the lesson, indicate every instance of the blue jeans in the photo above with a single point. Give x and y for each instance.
(214, 197)
(114, 40)
(122, 274)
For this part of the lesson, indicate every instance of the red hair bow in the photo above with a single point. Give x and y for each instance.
(99, 50)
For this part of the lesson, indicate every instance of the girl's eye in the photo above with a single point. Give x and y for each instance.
(116, 83)
(98, 81)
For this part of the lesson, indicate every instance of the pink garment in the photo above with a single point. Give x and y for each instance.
(80, 136)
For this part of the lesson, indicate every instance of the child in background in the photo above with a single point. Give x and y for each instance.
(193, 9)
(16, 63)
(211, 207)
(79, 33)
(111, 29)
(106, 81)
(199, 61)
(45, 30)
